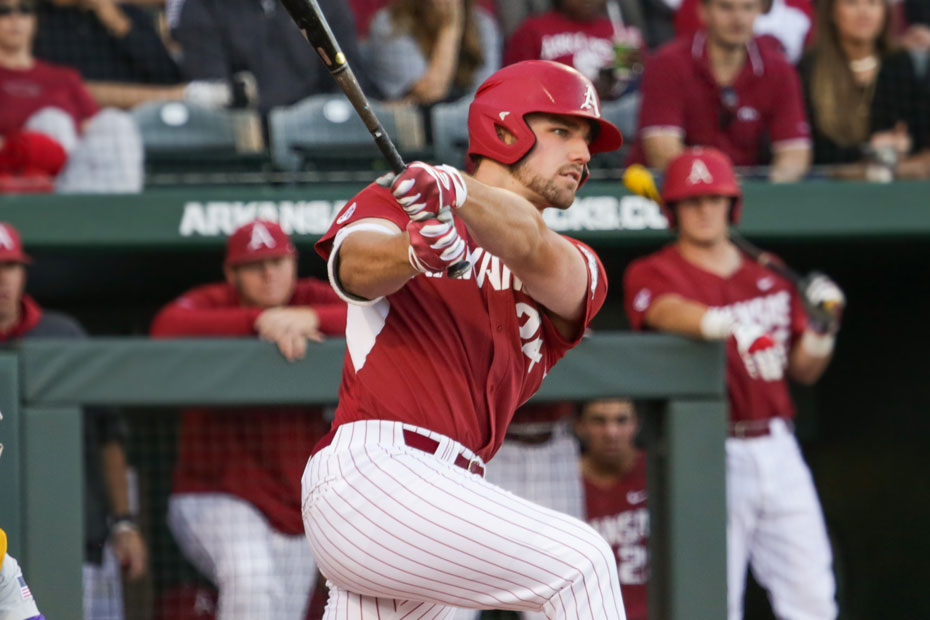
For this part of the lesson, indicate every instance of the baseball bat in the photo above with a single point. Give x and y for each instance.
(639, 180)
(310, 19)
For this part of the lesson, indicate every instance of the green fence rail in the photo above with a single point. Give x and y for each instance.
(43, 385)
(196, 217)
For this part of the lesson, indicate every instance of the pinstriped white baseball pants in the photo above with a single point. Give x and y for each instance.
(400, 533)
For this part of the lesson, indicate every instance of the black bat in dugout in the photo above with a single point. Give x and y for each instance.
(311, 21)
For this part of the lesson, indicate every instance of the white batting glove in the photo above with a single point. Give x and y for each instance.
(425, 191)
(824, 301)
(435, 243)
(822, 291)
(762, 355)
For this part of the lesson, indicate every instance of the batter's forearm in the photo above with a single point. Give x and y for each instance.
(503, 223)
(371, 265)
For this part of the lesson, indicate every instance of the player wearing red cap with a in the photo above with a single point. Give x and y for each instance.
(703, 286)
(399, 516)
(235, 505)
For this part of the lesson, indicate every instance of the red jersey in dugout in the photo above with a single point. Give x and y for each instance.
(620, 516)
(456, 356)
(255, 453)
(752, 295)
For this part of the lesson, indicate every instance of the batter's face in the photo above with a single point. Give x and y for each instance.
(264, 283)
(729, 22)
(17, 27)
(859, 21)
(12, 283)
(703, 220)
(607, 428)
(551, 172)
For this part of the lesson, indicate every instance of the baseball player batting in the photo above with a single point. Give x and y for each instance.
(703, 286)
(395, 506)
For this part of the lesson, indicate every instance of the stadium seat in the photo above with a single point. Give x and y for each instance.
(323, 132)
(450, 131)
(181, 136)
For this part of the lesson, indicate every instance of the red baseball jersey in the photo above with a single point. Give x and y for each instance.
(587, 46)
(23, 92)
(255, 453)
(752, 295)
(456, 356)
(681, 96)
(619, 514)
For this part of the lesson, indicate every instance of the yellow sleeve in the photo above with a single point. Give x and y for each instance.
(2, 546)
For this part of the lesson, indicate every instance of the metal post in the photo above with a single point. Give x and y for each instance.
(53, 482)
(687, 510)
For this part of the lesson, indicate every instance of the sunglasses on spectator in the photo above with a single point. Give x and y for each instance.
(23, 8)
(729, 102)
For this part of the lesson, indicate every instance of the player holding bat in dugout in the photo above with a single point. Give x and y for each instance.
(399, 516)
(704, 287)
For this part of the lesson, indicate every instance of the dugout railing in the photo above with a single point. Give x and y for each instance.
(44, 383)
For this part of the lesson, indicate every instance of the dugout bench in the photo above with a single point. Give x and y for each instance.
(43, 384)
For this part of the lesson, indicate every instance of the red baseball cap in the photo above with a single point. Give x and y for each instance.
(257, 240)
(11, 246)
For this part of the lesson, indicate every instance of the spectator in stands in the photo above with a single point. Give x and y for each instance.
(787, 23)
(50, 127)
(235, 504)
(839, 76)
(614, 474)
(901, 107)
(220, 38)
(581, 34)
(122, 58)
(722, 88)
(112, 539)
(429, 51)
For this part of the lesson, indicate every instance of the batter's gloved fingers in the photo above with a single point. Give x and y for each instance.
(425, 191)
(762, 355)
(435, 243)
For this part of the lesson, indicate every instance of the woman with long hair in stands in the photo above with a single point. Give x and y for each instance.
(428, 51)
(839, 73)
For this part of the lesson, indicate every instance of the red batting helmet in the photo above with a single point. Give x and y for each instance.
(505, 98)
(700, 171)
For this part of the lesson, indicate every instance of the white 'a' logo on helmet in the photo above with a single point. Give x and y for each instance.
(260, 237)
(590, 101)
(699, 173)
(6, 241)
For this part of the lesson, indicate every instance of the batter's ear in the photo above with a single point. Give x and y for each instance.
(230, 274)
